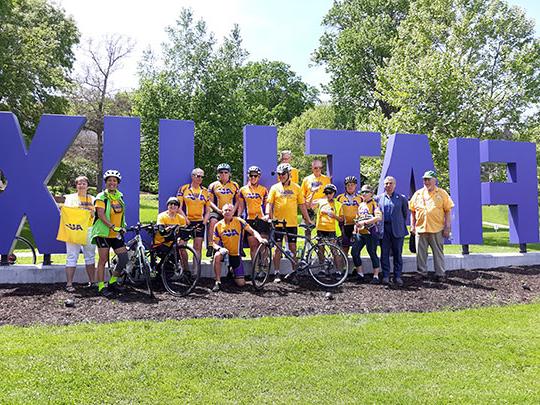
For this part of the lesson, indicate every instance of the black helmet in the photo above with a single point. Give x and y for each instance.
(112, 173)
(330, 188)
(223, 166)
(283, 168)
(351, 179)
(254, 169)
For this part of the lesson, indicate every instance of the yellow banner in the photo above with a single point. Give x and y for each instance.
(73, 225)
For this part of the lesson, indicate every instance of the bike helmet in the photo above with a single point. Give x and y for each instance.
(223, 166)
(112, 173)
(254, 169)
(330, 188)
(283, 168)
(173, 200)
(351, 179)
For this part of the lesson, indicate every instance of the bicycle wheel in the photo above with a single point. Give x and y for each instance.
(261, 266)
(179, 275)
(22, 250)
(145, 270)
(327, 264)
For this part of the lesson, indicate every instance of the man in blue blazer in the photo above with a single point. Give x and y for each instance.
(395, 211)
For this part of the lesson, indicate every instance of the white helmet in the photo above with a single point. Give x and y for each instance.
(112, 173)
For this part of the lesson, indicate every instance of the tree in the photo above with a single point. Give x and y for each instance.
(36, 39)
(94, 95)
(462, 68)
(358, 40)
(212, 84)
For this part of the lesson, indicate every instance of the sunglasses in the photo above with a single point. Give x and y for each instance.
(178, 205)
(253, 175)
(365, 192)
(199, 176)
(318, 167)
(282, 174)
(328, 192)
(223, 171)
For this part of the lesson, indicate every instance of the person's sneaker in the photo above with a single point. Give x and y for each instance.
(117, 288)
(277, 278)
(375, 280)
(386, 280)
(399, 282)
(439, 278)
(106, 292)
(210, 251)
(360, 278)
(70, 289)
(353, 275)
(216, 287)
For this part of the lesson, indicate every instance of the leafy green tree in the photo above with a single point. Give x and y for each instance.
(359, 39)
(36, 39)
(462, 68)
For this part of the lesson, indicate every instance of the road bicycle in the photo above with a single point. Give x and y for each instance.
(22, 248)
(322, 259)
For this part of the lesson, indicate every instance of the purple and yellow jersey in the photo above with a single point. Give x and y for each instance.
(223, 193)
(165, 219)
(313, 187)
(254, 200)
(230, 235)
(349, 204)
(194, 201)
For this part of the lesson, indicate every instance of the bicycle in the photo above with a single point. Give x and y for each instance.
(178, 275)
(323, 260)
(19, 250)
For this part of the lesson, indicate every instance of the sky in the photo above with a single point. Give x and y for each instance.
(284, 30)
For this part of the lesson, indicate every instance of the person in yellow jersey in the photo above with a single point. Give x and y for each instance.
(286, 157)
(222, 191)
(329, 214)
(194, 202)
(284, 199)
(169, 219)
(106, 232)
(431, 209)
(228, 235)
(252, 205)
(350, 201)
(368, 216)
(80, 199)
(313, 186)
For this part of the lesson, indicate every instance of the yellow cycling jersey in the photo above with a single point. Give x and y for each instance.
(165, 219)
(230, 235)
(324, 221)
(313, 187)
(223, 193)
(285, 201)
(116, 214)
(194, 201)
(350, 204)
(254, 200)
(366, 211)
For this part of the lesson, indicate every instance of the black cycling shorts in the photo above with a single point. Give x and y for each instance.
(111, 243)
(326, 234)
(197, 233)
(289, 230)
(235, 263)
(259, 225)
(216, 215)
(347, 234)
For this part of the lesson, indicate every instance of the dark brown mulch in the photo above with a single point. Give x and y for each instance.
(44, 303)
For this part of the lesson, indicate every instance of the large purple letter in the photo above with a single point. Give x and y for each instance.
(344, 149)
(176, 157)
(406, 159)
(260, 149)
(520, 193)
(28, 173)
(122, 152)
(464, 164)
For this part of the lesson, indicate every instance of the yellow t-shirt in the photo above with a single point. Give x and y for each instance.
(86, 203)
(366, 211)
(254, 200)
(230, 235)
(430, 209)
(194, 201)
(116, 215)
(165, 219)
(324, 221)
(223, 193)
(350, 206)
(313, 187)
(285, 201)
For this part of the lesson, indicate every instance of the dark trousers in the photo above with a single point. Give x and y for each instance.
(394, 245)
(361, 240)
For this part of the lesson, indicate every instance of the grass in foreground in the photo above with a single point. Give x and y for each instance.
(481, 355)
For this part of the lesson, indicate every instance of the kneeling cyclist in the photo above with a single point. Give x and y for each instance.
(228, 235)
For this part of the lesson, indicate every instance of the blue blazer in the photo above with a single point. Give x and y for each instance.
(399, 210)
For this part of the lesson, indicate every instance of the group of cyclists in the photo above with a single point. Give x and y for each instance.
(233, 217)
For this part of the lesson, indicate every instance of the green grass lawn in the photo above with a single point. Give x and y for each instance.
(488, 355)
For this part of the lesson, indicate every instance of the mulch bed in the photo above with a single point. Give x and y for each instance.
(44, 303)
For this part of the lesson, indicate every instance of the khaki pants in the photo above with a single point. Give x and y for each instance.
(436, 241)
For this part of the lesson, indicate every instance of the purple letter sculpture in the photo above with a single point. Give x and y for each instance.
(176, 157)
(344, 149)
(28, 173)
(260, 149)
